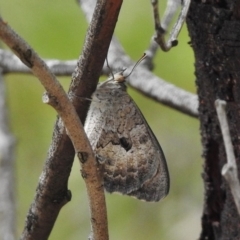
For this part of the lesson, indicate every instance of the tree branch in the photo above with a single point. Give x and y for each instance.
(229, 170)
(79, 139)
(7, 186)
(155, 87)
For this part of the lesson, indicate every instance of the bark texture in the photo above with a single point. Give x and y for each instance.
(214, 29)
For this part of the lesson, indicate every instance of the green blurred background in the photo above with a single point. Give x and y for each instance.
(56, 29)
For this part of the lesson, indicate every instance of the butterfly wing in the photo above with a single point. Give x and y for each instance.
(157, 185)
(129, 154)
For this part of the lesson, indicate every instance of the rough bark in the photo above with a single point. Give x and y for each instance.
(215, 30)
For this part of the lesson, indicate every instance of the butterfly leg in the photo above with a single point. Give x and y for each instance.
(169, 13)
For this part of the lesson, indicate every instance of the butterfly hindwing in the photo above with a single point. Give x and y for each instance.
(129, 155)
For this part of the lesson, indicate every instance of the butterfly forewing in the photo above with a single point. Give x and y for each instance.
(129, 155)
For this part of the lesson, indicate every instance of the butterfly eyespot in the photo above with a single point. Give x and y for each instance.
(125, 143)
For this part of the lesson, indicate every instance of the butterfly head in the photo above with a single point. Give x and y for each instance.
(118, 79)
(115, 80)
(119, 76)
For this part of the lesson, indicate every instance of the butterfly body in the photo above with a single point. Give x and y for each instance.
(128, 153)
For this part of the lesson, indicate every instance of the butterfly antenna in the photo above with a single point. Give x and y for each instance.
(109, 69)
(137, 63)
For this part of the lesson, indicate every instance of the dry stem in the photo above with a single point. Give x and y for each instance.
(229, 170)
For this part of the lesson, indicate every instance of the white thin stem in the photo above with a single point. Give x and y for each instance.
(172, 6)
(229, 170)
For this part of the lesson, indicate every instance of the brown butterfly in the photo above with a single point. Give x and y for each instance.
(128, 153)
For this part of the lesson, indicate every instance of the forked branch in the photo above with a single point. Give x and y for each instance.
(162, 27)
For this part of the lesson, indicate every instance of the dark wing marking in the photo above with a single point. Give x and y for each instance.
(134, 162)
(129, 154)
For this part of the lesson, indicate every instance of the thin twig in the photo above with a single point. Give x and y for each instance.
(172, 6)
(75, 131)
(7, 186)
(229, 170)
(160, 30)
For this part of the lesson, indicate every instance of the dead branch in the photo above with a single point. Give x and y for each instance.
(229, 170)
(154, 87)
